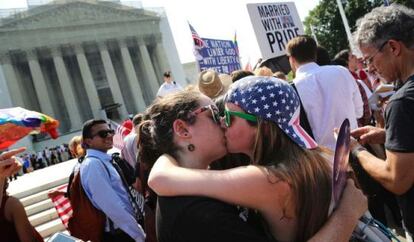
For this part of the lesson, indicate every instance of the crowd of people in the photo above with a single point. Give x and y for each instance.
(37, 160)
(248, 156)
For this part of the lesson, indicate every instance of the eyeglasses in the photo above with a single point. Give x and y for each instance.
(104, 133)
(246, 116)
(213, 109)
(368, 61)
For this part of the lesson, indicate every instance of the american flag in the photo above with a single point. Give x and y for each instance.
(62, 206)
(198, 41)
(121, 131)
(274, 100)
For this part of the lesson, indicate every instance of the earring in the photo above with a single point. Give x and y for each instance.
(191, 147)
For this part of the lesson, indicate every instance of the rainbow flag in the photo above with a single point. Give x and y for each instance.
(16, 123)
(236, 46)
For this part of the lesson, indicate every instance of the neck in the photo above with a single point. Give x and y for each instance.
(304, 63)
(187, 159)
(407, 69)
(298, 65)
(101, 150)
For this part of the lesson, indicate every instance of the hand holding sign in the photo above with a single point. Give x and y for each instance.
(340, 164)
(368, 229)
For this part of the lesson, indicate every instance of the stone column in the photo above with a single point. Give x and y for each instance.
(15, 90)
(148, 67)
(40, 84)
(132, 77)
(88, 82)
(112, 79)
(161, 57)
(67, 89)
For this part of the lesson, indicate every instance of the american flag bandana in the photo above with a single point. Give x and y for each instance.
(274, 100)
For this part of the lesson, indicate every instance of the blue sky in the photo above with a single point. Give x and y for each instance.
(217, 19)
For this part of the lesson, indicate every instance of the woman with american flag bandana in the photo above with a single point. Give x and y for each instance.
(289, 181)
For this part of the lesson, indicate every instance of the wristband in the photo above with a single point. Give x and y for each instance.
(355, 151)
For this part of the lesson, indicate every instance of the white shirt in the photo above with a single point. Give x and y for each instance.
(167, 88)
(329, 95)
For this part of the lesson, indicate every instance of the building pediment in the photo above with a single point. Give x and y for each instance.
(75, 13)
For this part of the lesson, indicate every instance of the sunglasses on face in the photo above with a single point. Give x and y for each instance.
(213, 109)
(104, 133)
(246, 116)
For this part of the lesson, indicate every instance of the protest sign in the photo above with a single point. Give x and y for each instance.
(274, 25)
(219, 55)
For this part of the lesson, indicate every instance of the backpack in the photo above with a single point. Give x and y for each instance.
(86, 222)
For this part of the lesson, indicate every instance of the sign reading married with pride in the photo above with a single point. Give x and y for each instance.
(219, 55)
(274, 25)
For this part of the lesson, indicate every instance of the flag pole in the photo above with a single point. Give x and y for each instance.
(312, 28)
(353, 48)
(193, 33)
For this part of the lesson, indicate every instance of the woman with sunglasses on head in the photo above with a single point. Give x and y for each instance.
(289, 182)
(186, 126)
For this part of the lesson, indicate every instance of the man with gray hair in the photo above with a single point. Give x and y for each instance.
(386, 39)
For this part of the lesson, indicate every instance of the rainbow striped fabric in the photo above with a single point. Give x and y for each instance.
(16, 123)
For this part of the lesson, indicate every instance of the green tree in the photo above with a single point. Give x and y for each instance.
(408, 3)
(327, 23)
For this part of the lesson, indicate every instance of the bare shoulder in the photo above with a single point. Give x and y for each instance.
(13, 203)
(267, 176)
(12, 206)
(267, 180)
(274, 193)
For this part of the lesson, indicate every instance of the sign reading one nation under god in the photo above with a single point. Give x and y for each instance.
(219, 55)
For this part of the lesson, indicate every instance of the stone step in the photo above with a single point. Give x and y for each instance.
(39, 207)
(35, 190)
(35, 198)
(51, 227)
(41, 180)
(43, 217)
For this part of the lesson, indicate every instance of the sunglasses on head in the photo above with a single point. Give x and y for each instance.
(104, 133)
(213, 109)
(246, 116)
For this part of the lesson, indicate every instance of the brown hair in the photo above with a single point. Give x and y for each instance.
(306, 171)
(280, 75)
(155, 134)
(302, 48)
(239, 74)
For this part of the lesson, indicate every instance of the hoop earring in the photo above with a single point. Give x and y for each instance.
(191, 147)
